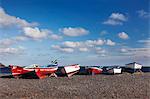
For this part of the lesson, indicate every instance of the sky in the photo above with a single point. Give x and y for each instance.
(86, 32)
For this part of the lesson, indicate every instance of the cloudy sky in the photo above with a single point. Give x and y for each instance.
(88, 32)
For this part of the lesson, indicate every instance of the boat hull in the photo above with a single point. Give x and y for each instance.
(117, 70)
(94, 70)
(145, 69)
(134, 66)
(5, 71)
(20, 72)
(130, 70)
(45, 72)
(70, 70)
(112, 70)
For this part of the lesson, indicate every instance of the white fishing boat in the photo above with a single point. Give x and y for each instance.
(70, 69)
(133, 67)
(117, 70)
(113, 70)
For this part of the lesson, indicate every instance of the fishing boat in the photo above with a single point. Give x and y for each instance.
(4, 71)
(117, 70)
(112, 70)
(2, 65)
(46, 72)
(145, 69)
(21, 72)
(34, 71)
(133, 67)
(94, 70)
(70, 70)
(83, 70)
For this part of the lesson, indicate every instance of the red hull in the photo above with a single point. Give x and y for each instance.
(40, 72)
(45, 72)
(95, 70)
(17, 71)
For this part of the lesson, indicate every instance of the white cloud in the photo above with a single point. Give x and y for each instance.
(63, 49)
(143, 14)
(87, 43)
(118, 16)
(6, 46)
(8, 20)
(92, 43)
(6, 42)
(142, 52)
(29, 29)
(110, 42)
(11, 50)
(123, 35)
(73, 32)
(20, 38)
(113, 22)
(115, 19)
(139, 52)
(146, 42)
(68, 50)
(36, 33)
(98, 42)
(10, 41)
(84, 46)
(83, 49)
(99, 50)
(123, 50)
(71, 44)
(55, 46)
(55, 37)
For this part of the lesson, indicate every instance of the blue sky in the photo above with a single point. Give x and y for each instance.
(88, 32)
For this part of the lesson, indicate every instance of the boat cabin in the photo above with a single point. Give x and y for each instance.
(134, 65)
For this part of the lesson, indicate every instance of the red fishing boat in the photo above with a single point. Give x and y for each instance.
(46, 72)
(19, 72)
(34, 72)
(95, 70)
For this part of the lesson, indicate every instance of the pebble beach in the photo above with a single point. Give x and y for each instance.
(122, 86)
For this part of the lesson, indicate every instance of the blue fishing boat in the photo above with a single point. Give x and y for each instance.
(5, 71)
(145, 69)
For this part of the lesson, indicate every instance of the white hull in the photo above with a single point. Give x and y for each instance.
(134, 66)
(71, 69)
(117, 70)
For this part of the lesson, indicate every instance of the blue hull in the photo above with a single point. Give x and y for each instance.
(145, 69)
(5, 71)
(131, 70)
